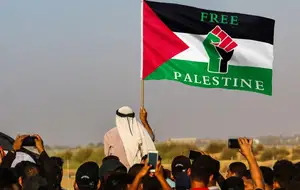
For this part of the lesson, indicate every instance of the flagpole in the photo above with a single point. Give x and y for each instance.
(142, 47)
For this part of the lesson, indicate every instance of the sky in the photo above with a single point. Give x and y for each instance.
(67, 66)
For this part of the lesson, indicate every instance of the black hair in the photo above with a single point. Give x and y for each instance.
(116, 181)
(284, 171)
(283, 164)
(297, 167)
(238, 168)
(7, 178)
(268, 175)
(150, 183)
(35, 183)
(135, 169)
(24, 169)
(200, 171)
(110, 157)
(247, 174)
(235, 183)
(293, 185)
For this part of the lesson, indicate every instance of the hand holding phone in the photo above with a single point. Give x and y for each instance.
(29, 141)
(152, 160)
(233, 144)
(19, 142)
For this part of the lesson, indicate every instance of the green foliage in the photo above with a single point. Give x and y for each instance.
(259, 148)
(97, 155)
(268, 154)
(296, 153)
(228, 154)
(66, 155)
(274, 153)
(83, 155)
(168, 151)
(282, 153)
(215, 147)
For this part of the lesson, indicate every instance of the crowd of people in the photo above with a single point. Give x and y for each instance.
(201, 173)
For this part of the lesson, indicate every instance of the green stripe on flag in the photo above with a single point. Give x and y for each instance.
(192, 73)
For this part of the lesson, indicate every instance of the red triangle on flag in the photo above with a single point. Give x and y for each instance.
(160, 44)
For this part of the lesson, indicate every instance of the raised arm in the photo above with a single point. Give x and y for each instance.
(246, 151)
(11, 155)
(144, 120)
(138, 178)
(159, 173)
(48, 166)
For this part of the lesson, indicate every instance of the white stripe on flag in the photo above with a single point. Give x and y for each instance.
(248, 52)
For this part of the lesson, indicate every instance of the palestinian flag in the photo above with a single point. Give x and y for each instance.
(205, 48)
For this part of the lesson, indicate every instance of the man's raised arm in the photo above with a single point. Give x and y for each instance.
(144, 120)
(246, 151)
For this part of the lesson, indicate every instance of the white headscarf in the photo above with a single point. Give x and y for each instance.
(136, 140)
(21, 156)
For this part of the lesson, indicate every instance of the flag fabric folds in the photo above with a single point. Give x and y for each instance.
(206, 48)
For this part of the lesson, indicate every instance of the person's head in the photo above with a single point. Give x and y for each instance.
(215, 166)
(110, 157)
(181, 164)
(26, 169)
(35, 183)
(202, 172)
(297, 167)
(87, 177)
(181, 170)
(150, 183)
(58, 162)
(293, 185)
(111, 166)
(284, 171)
(7, 179)
(116, 181)
(233, 183)
(268, 175)
(125, 112)
(135, 169)
(247, 175)
(237, 169)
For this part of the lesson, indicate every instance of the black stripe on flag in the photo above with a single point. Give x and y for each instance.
(186, 19)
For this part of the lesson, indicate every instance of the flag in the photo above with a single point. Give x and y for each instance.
(206, 48)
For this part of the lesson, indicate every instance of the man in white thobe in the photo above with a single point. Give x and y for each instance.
(129, 140)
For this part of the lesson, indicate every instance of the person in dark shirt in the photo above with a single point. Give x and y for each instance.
(58, 171)
(45, 166)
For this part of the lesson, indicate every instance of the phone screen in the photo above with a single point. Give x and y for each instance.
(152, 160)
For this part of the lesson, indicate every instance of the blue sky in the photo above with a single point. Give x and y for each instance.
(66, 66)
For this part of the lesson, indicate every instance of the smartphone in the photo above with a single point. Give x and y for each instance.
(29, 141)
(194, 155)
(233, 144)
(152, 160)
